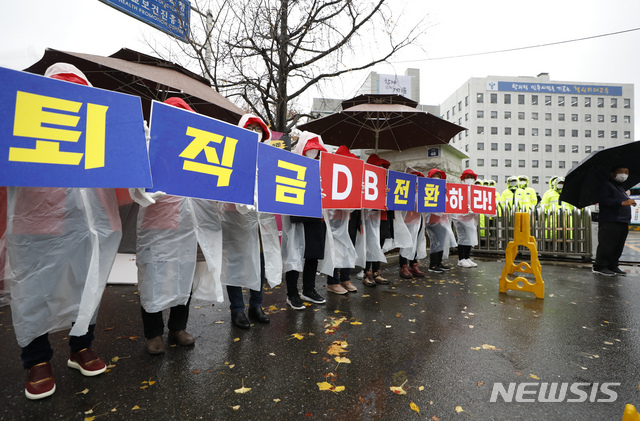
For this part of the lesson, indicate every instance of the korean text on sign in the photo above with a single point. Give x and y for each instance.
(482, 199)
(402, 191)
(457, 198)
(432, 195)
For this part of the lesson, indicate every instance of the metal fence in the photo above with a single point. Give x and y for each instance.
(559, 232)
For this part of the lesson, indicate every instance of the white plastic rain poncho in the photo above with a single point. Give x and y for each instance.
(371, 230)
(342, 251)
(440, 234)
(414, 221)
(466, 228)
(401, 235)
(61, 244)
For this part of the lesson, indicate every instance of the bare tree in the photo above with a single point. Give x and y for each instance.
(267, 53)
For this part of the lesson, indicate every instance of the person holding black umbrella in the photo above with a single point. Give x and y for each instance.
(613, 223)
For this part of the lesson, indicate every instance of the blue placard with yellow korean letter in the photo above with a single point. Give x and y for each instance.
(432, 195)
(288, 184)
(402, 191)
(61, 134)
(198, 156)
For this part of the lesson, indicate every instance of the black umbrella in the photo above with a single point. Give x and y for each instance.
(382, 122)
(582, 182)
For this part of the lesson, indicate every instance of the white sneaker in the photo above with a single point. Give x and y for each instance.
(360, 275)
(464, 263)
(471, 263)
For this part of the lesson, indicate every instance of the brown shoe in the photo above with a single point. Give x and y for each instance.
(348, 285)
(155, 346)
(381, 279)
(404, 272)
(336, 289)
(415, 271)
(40, 383)
(181, 337)
(87, 362)
(368, 280)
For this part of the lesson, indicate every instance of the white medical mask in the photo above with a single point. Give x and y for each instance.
(469, 180)
(513, 183)
(522, 184)
(311, 153)
(621, 178)
(559, 186)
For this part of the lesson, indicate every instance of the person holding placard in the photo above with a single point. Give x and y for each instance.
(415, 223)
(440, 233)
(466, 227)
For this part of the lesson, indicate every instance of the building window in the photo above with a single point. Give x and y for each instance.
(560, 132)
(627, 103)
(507, 131)
(534, 99)
(574, 101)
(535, 179)
(534, 147)
(614, 118)
(614, 134)
(547, 100)
(466, 147)
(587, 148)
(494, 130)
(627, 119)
(600, 118)
(574, 164)
(507, 163)
(507, 115)
(547, 116)
(534, 116)
(587, 101)
(600, 147)
(561, 117)
(466, 116)
(520, 115)
(574, 133)
(521, 147)
(494, 98)
(479, 98)
(534, 132)
(587, 133)
(627, 134)
(480, 129)
(453, 110)
(520, 131)
(507, 146)
(494, 146)
(466, 163)
(494, 178)
(600, 102)
(521, 163)
(560, 164)
(459, 105)
(547, 164)
(614, 102)
(480, 162)
(447, 114)
(587, 118)
(534, 163)
(480, 114)
(548, 148)
(494, 162)
(520, 99)
(480, 146)
(561, 101)
(466, 101)
(494, 114)
(601, 134)
(561, 148)
(507, 98)
(574, 117)
(466, 133)
(574, 148)
(547, 132)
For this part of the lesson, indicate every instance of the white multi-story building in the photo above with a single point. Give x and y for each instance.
(534, 126)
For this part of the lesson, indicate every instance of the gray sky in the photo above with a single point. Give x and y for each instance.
(456, 28)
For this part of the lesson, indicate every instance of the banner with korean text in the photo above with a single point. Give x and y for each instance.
(375, 187)
(457, 198)
(341, 181)
(288, 183)
(402, 191)
(198, 156)
(482, 200)
(61, 134)
(432, 195)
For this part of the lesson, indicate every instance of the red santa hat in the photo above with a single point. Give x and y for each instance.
(467, 173)
(178, 102)
(434, 171)
(67, 72)
(343, 150)
(253, 119)
(379, 162)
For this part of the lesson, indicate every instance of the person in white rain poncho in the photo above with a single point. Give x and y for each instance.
(178, 257)
(440, 233)
(304, 240)
(466, 228)
(61, 244)
(250, 239)
(414, 221)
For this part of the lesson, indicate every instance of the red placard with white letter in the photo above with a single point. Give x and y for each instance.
(457, 198)
(341, 181)
(374, 187)
(483, 200)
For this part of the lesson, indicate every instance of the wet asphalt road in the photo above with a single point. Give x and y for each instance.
(426, 335)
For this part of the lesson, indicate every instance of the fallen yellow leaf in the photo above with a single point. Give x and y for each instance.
(276, 400)
(398, 390)
(459, 409)
(84, 392)
(421, 388)
(135, 408)
(219, 322)
(89, 418)
(324, 386)
(236, 339)
(342, 360)
(338, 389)
(298, 336)
(356, 323)
(235, 408)
(414, 407)
(242, 390)
(533, 376)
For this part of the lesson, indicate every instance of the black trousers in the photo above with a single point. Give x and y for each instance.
(464, 252)
(611, 239)
(404, 261)
(308, 278)
(39, 350)
(154, 325)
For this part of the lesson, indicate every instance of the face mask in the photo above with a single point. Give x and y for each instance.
(469, 180)
(522, 184)
(312, 153)
(513, 183)
(559, 187)
(621, 178)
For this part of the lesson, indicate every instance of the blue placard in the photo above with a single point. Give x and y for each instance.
(432, 195)
(62, 134)
(198, 156)
(288, 184)
(557, 88)
(402, 191)
(170, 16)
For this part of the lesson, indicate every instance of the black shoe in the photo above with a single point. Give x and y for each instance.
(605, 272)
(443, 267)
(240, 320)
(295, 302)
(313, 297)
(435, 269)
(258, 314)
(618, 271)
